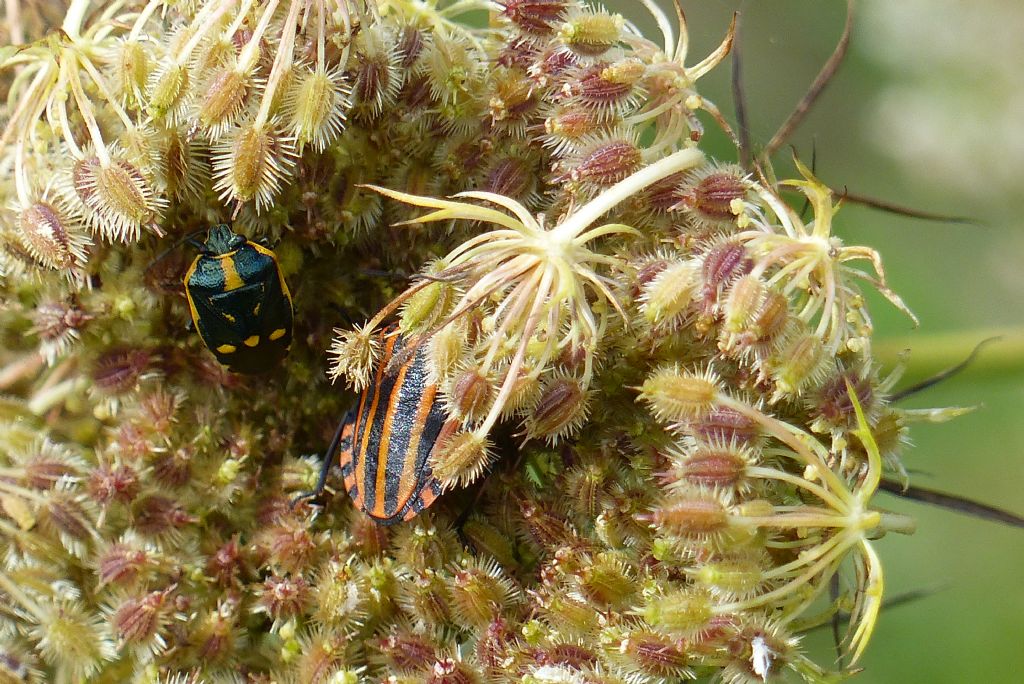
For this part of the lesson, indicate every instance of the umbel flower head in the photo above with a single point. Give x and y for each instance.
(663, 426)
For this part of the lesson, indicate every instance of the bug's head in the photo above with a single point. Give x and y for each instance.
(222, 240)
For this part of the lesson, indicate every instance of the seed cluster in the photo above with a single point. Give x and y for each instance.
(669, 423)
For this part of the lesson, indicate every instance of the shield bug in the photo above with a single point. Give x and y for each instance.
(239, 302)
(384, 443)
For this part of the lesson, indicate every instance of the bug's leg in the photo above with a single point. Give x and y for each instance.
(325, 467)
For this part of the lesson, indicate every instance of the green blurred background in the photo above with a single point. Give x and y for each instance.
(927, 111)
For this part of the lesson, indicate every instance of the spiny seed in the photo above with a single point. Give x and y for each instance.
(714, 195)
(223, 98)
(573, 656)
(666, 194)
(560, 410)
(675, 396)
(770, 321)
(118, 194)
(834, 403)
(608, 163)
(690, 517)
(536, 17)
(714, 468)
(118, 371)
(655, 654)
(591, 34)
(460, 459)
(167, 90)
(138, 619)
(724, 426)
(743, 302)
(406, 652)
(471, 394)
(410, 46)
(723, 263)
(667, 295)
(511, 177)
(799, 362)
(683, 613)
(47, 236)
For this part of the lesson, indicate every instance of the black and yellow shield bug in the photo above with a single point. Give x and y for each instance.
(239, 302)
(384, 443)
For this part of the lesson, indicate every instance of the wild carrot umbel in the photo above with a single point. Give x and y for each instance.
(664, 426)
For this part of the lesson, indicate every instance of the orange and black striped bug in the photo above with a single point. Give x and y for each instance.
(384, 443)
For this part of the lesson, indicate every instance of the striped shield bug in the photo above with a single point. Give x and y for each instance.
(384, 443)
(239, 302)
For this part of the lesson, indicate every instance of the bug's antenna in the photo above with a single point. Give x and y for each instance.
(943, 375)
(951, 502)
(817, 87)
(189, 238)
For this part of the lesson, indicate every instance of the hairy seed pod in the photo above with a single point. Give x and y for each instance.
(118, 196)
(168, 92)
(568, 129)
(591, 33)
(403, 651)
(251, 162)
(723, 425)
(684, 613)
(138, 620)
(130, 66)
(222, 99)
(513, 178)
(606, 162)
(107, 484)
(479, 593)
(184, 167)
(720, 468)
(451, 671)
(666, 296)
(714, 194)
(723, 264)
(732, 577)
(470, 395)
(50, 237)
(283, 596)
(675, 395)
(690, 517)
(121, 564)
(534, 17)
(609, 91)
(742, 303)
(315, 106)
(607, 583)
(651, 655)
(799, 363)
(425, 596)
(118, 371)
(560, 410)
(410, 45)
(460, 459)
(833, 404)
(489, 540)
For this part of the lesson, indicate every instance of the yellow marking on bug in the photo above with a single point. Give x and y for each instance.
(256, 310)
(277, 334)
(232, 281)
(226, 349)
(231, 319)
(252, 341)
